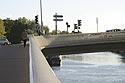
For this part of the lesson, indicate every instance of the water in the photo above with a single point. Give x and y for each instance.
(102, 67)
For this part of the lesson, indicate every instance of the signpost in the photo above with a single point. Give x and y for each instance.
(57, 15)
(56, 18)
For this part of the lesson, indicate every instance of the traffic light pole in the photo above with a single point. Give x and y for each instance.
(67, 26)
(67, 29)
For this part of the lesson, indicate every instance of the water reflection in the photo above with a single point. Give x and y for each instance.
(100, 58)
(100, 67)
(122, 53)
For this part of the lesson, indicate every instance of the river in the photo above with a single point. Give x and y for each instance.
(100, 67)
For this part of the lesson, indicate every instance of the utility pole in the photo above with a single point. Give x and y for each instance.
(41, 16)
(97, 23)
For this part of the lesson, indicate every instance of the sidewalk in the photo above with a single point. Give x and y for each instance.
(14, 64)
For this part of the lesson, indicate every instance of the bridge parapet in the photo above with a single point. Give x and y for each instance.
(41, 71)
(75, 39)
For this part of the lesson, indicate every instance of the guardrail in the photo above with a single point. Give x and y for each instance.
(40, 71)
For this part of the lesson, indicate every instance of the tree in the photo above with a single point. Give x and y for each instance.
(2, 29)
(54, 32)
(15, 27)
(46, 29)
(59, 32)
(63, 32)
(8, 23)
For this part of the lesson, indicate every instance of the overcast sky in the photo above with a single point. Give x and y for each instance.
(110, 13)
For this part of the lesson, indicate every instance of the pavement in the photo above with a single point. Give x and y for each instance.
(14, 64)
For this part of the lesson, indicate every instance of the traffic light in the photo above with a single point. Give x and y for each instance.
(67, 24)
(36, 19)
(79, 22)
(75, 26)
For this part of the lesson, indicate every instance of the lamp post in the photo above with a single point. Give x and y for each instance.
(41, 16)
(97, 23)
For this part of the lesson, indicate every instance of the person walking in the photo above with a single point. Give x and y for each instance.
(24, 37)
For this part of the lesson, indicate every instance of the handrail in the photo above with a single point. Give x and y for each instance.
(40, 71)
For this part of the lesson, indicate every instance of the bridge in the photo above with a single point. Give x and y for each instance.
(81, 43)
(29, 65)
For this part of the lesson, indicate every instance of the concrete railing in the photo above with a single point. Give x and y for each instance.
(75, 39)
(40, 71)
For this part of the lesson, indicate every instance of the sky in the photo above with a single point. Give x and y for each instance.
(110, 13)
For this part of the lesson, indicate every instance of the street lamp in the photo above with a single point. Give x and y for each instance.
(97, 23)
(41, 15)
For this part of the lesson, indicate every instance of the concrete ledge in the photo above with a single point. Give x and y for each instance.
(42, 72)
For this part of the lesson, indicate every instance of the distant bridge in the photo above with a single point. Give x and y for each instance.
(81, 43)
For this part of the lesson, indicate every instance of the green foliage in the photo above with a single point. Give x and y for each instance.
(2, 29)
(63, 32)
(46, 29)
(58, 32)
(54, 32)
(14, 28)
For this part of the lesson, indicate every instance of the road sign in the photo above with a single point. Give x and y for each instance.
(58, 16)
(37, 27)
(57, 19)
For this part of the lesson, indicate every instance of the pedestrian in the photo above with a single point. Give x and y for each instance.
(24, 37)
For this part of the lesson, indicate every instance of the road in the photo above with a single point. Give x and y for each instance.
(14, 64)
